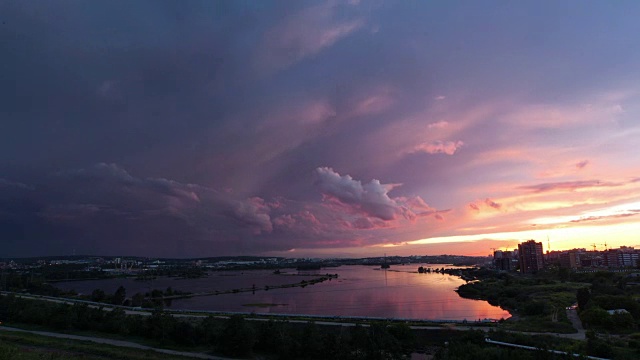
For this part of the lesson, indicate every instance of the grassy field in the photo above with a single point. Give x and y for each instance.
(25, 346)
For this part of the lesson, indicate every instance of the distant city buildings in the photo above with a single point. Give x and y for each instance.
(531, 257)
(577, 259)
(573, 258)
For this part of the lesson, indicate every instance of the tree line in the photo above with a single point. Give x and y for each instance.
(234, 336)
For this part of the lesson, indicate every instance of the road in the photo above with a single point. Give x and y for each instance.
(113, 342)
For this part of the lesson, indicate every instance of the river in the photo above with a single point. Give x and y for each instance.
(399, 292)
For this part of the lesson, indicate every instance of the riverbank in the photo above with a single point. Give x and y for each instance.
(537, 304)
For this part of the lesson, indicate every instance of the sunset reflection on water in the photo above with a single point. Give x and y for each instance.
(399, 292)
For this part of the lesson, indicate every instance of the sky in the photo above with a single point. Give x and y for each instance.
(317, 128)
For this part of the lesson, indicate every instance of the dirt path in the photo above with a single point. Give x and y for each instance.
(113, 342)
(572, 314)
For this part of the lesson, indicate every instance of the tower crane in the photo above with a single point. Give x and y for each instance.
(548, 244)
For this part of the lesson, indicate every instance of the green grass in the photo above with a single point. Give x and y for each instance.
(89, 333)
(106, 335)
(25, 346)
(540, 324)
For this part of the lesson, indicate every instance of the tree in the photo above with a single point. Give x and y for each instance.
(209, 330)
(98, 295)
(237, 338)
(404, 334)
(115, 322)
(156, 298)
(596, 316)
(622, 321)
(598, 347)
(533, 308)
(564, 274)
(583, 295)
(311, 346)
(161, 325)
(137, 300)
(382, 344)
(119, 296)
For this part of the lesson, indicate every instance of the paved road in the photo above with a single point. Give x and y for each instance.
(116, 343)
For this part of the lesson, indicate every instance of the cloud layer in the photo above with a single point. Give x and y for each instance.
(211, 128)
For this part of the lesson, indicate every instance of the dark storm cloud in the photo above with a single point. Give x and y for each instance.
(104, 209)
(79, 79)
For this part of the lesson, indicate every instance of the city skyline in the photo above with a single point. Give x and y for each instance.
(317, 129)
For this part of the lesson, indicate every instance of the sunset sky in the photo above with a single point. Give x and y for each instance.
(317, 128)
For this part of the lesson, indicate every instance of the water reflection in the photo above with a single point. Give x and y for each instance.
(359, 291)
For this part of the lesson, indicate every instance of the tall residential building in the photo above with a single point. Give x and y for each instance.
(531, 260)
(504, 260)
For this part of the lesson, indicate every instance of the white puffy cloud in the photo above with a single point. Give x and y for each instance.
(370, 199)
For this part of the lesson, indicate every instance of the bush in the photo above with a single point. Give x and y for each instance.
(533, 308)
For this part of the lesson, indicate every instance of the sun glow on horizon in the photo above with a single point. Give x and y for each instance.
(564, 238)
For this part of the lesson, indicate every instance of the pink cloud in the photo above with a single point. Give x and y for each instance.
(416, 203)
(582, 164)
(379, 101)
(567, 186)
(607, 217)
(486, 203)
(305, 34)
(284, 221)
(492, 204)
(302, 222)
(363, 223)
(439, 147)
(438, 125)
(604, 109)
(414, 207)
(254, 213)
